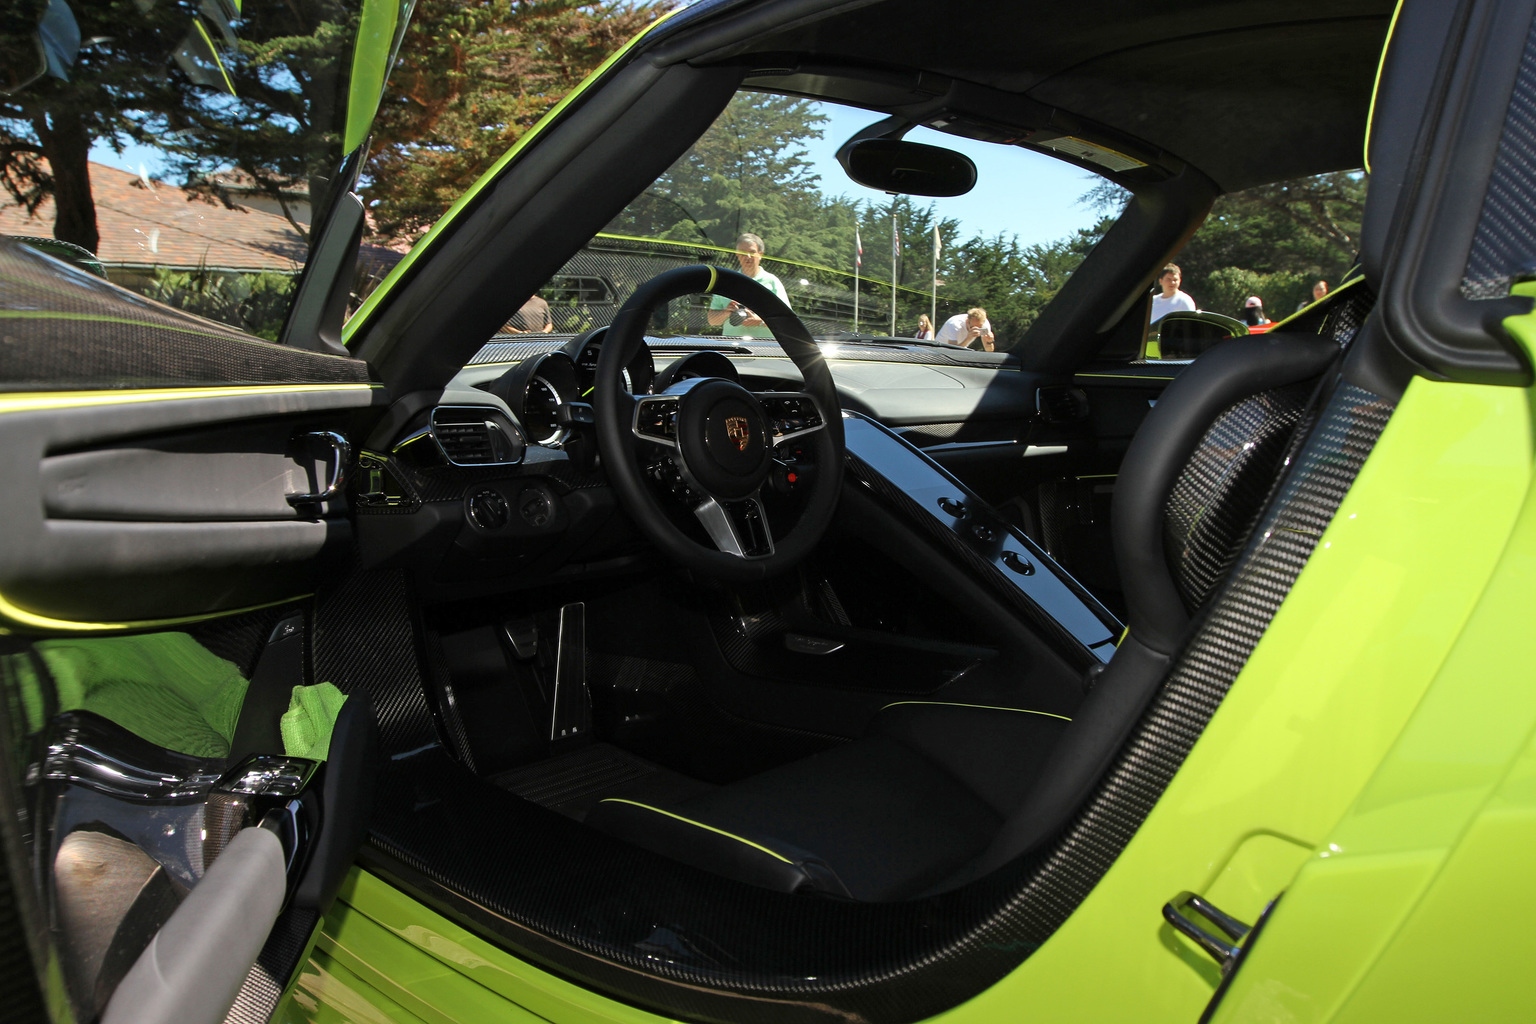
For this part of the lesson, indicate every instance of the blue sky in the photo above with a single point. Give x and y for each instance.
(1018, 192)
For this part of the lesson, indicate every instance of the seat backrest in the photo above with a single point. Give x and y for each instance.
(1193, 484)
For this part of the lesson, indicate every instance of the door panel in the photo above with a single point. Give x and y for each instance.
(132, 507)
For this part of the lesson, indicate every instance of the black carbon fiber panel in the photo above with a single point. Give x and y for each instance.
(66, 329)
(1505, 242)
(365, 642)
(1215, 500)
(700, 947)
(240, 638)
(1343, 321)
(275, 965)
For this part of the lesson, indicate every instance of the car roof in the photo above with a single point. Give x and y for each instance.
(1248, 92)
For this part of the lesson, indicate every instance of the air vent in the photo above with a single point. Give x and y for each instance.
(1061, 403)
(474, 437)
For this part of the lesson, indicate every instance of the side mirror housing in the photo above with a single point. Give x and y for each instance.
(1184, 335)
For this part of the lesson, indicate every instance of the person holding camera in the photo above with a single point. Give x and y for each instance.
(970, 329)
(734, 319)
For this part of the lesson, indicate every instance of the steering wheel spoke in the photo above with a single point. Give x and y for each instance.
(791, 414)
(655, 419)
(737, 528)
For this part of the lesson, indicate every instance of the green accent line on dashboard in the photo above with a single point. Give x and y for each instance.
(1123, 376)
(427, 240)
(983, 707)
(46, 400)
(699, 824)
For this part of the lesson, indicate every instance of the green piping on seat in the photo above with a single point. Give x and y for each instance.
(984, 707)
(698, 824)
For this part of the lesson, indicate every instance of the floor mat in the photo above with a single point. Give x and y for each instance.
(573, 783)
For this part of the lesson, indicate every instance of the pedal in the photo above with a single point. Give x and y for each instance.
(570, 714)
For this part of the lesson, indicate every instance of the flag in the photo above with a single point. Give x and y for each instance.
(858, 247)
(936, 244)
(895, 246)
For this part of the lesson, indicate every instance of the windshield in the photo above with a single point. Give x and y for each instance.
(189, 145)
(761, 192)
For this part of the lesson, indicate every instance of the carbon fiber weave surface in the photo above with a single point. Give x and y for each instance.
(704, 948)
(1505, 242)
(65, 329)
(1215, 500)
(1343, 322)
(275, 964)
(364, 641)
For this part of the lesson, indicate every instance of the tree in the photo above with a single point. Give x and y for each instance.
(748, 172)
(208, 87)
(471, 79)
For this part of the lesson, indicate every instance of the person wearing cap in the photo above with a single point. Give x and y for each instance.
(1170, 299)
(1253, 312)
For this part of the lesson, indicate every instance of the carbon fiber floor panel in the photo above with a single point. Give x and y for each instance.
(573, 783)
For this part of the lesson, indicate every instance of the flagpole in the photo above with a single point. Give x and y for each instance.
(895, 249)
(933, 307)
(858, 261)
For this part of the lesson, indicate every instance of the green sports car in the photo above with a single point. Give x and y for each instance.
(363, 662)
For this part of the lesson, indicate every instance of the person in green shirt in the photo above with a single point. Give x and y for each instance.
(734, 319)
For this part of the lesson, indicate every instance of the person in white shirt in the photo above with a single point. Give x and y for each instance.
(1170, 299)
(734, 319)
(967, 330)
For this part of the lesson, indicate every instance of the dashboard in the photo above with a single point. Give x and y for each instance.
(495, 482)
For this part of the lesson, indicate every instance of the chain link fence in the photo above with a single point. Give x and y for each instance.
(589, 289)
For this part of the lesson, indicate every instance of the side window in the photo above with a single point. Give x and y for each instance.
(1263, 254)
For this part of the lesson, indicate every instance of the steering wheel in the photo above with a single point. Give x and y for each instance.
(717, 446)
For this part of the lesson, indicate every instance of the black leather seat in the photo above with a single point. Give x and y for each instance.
(934, 794)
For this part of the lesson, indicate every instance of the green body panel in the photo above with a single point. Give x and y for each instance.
(1427, 878)
(378, 33)
(376, 298)
(1325, 697)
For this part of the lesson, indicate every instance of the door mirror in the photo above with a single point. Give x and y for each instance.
(1184, 335)
(910, 168)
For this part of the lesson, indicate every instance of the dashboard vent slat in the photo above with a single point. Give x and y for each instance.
(473, 437)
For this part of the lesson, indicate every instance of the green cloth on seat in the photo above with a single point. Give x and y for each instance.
(164, 687)
(308, 722)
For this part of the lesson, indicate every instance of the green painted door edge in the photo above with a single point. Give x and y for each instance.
(377, 296)
(372, 52)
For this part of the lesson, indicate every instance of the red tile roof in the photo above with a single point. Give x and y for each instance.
(155, 224)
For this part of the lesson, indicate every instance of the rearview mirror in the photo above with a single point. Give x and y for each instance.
(910, 168)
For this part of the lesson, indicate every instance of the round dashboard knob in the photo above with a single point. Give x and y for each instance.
(489, 510)
(536, 507)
